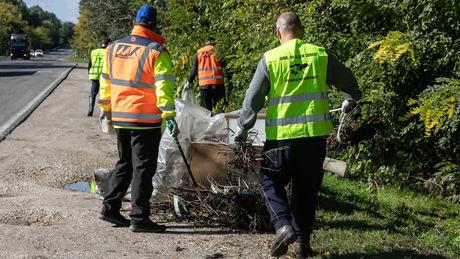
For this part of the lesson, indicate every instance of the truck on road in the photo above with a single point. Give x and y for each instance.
(20, 46)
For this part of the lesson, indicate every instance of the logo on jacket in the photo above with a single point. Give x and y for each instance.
(296, 68)
(126, 51)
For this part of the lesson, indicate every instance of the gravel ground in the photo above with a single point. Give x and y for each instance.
(57, 145)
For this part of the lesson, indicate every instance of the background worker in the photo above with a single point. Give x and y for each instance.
(137, 89)
(210, 69)
(96, 61)
(295, 77)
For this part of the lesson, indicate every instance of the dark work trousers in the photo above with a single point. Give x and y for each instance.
(211, 95)
(138, 153)
(302, 162)
(94, 87)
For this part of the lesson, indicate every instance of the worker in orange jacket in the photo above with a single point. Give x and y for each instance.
(136, 94)
(210, 69)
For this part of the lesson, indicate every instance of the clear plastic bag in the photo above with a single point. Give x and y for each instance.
(188, 95)
(106, 126)
(195, 124)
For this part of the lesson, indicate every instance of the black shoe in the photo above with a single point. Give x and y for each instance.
(147, 226)
(116, 219)
(303, 250)
(285, 236)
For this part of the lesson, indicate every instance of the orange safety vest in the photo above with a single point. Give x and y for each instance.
(132, 79)
(210, 71)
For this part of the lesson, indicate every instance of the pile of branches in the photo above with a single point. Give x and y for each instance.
(234, 206)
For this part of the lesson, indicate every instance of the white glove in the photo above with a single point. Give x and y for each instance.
(241, 135)
(347, 106)
(187, 86)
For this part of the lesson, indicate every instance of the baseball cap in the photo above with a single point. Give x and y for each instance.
(147, 12)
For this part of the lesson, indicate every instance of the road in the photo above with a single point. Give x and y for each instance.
(24, 84)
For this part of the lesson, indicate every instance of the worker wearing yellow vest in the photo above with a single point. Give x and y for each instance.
(96, 61)
(295, 77)
(136, 94)
(210, 69)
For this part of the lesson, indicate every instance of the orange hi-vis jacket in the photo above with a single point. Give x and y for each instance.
(137, 82)
(209, 67)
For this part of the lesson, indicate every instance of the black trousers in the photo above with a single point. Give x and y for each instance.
(137, 164)
(210, 96)
(302, 162)
(95, 87)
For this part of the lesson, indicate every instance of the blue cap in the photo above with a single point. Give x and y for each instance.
(147, 12)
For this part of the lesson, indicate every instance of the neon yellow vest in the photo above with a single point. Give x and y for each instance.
(97, 61)
(298, 105)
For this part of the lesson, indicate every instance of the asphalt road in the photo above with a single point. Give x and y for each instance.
(24, 84)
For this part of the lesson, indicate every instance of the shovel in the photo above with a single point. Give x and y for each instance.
(187, 165)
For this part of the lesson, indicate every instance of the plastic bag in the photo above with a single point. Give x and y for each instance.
(195, 124)
(188, 95)
(107, 126)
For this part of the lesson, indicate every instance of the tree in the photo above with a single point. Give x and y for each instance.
(399, 51)
(10, 22)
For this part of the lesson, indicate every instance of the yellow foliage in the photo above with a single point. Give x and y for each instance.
(392, 48)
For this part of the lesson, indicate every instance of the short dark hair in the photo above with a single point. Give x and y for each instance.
(209, 38)
(106, 41)
(145, 25)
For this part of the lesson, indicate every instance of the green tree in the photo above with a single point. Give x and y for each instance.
(398, 51)
(10, 22)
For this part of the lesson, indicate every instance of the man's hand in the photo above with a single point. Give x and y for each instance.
(173, 128)
(104, 114)
(241, 135)
(348, 106)
(187, 86)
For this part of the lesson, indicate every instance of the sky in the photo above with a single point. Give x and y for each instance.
(65, 10)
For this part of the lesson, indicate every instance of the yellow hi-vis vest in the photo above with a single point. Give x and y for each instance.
(97, 61)
(298, 104)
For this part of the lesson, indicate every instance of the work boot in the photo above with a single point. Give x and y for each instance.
(285, 236)
(92, 99)
(147, 226)
(303, 250)
(115, 218)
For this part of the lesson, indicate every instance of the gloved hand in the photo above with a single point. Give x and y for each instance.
(187, 86)
(104, 114)
(348, 106)
(241, 135)
(173, 128)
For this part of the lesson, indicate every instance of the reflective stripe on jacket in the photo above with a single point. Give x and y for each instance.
(137, 83)
(210, 71)
(97, 60)
(298, 104)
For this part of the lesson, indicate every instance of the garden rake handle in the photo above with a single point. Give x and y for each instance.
(186, 164)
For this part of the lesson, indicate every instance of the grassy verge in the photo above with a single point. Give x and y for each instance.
(76, 59)
(354, 221)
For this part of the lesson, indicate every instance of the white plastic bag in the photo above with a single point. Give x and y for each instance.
(107, 126)
(195, 124)
(188, 95)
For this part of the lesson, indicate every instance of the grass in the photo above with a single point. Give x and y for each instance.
(76, 59)
(354, 221)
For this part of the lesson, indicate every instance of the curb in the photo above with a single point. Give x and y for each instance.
(17, 119)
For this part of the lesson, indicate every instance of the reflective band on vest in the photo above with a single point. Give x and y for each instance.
(133, 94)
(97, 61)
(209, 67)
(298, 104)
